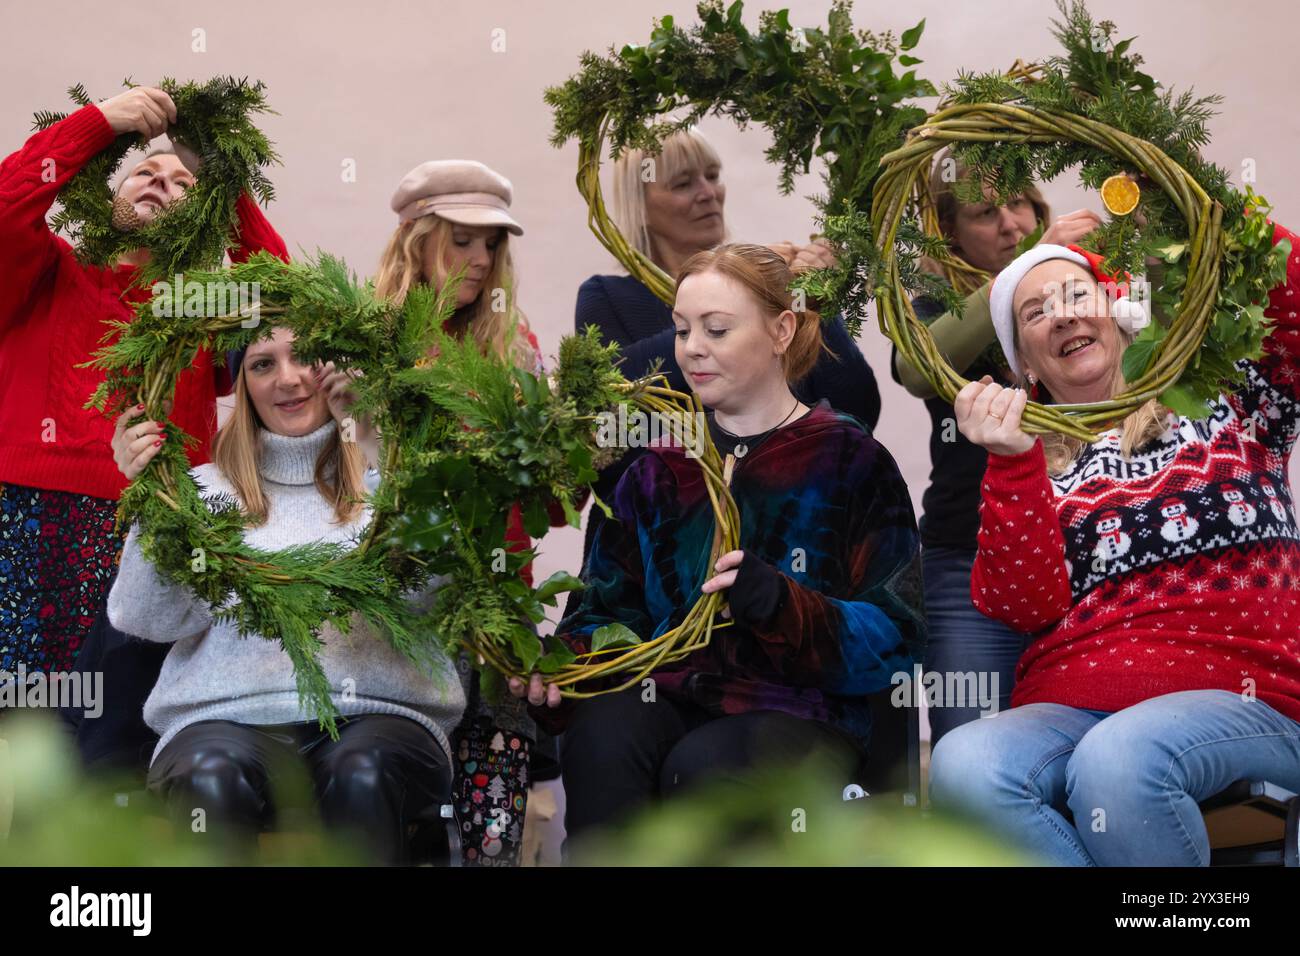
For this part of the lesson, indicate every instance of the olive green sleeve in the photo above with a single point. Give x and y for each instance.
(960, 338)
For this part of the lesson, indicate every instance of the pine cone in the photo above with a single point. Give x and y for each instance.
(125, 218)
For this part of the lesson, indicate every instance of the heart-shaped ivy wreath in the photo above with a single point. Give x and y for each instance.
(827, 92)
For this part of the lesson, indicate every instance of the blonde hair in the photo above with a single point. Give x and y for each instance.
(236, 452)
(402, 265)
(767, 278)
(1141, 426)
(687, 149)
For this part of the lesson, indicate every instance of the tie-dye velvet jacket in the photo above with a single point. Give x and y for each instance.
(822, 502)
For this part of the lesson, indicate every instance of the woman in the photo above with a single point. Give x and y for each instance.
(824, 589)
(226, 707)
(58, 483)
(670, 207)
(453, 217)
(962, 641)
(1140, 563)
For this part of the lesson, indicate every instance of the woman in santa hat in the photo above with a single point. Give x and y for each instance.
(1153, 682)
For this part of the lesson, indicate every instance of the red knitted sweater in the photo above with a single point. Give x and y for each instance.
(1176, 569)
(53, 312)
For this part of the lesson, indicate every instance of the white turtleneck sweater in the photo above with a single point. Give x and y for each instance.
(212, 673)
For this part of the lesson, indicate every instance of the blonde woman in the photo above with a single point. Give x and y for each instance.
(226, 707)
(454, 218)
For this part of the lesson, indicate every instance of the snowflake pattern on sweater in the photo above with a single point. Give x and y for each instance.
(1174, 569)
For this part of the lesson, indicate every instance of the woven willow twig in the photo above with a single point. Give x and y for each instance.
(638, 266)
(678, 410)
(904, 174)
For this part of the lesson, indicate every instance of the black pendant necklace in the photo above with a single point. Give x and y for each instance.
(742, 444)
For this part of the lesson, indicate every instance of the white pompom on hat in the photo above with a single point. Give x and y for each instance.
(1128, 315)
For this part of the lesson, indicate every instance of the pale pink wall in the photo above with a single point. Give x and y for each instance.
(392, 84)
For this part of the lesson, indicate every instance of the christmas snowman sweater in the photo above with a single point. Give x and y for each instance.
(1175, 569)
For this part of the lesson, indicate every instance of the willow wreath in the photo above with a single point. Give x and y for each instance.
(462, 439)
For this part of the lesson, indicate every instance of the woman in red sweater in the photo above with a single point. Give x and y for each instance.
(58, 482)
(1156, 569)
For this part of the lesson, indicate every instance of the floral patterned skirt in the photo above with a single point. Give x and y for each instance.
(58, 551)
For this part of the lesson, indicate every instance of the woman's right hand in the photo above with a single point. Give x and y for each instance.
(134, 446)
(536, 692)
(989, 416)
(1071, 227)
(143, 109)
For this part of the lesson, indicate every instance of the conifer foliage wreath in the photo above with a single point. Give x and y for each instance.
(215, 120)
(463, 438)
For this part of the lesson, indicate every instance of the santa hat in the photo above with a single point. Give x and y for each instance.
(1128, 315)
(1107, 516)
(1227, 487)
(1171, 503)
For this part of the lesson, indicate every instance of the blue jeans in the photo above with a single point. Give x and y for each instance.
(962, 640)
(1087, 788)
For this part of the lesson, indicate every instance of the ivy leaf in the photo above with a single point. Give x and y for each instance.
(1137, 357)
(527, 646)
(613, 635)
(911, 37)
(1185, 402)
(558, 583)
(557, 659)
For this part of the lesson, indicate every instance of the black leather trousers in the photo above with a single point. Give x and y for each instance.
(383, 774)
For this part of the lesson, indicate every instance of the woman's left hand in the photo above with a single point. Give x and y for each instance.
(728, 567)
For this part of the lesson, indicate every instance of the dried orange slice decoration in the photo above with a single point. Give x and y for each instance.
(1120, 195)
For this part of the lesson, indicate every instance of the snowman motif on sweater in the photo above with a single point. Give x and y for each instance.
(1179, 525)
(1240, 512)
(1112, 543)
(1274, 503)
